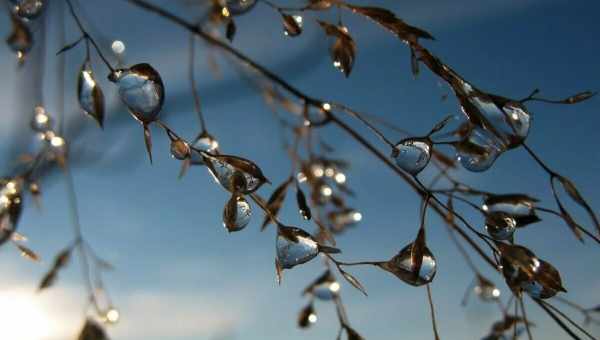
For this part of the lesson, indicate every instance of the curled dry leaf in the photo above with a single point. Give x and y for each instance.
(578, 98)
(28, 253)
(354, 282)
(389, 21)
(227, 170)
(352, 334)
(307, 316)
(343, 50)
(60, 261)
(91, 98)
(275, 202)
(302, 204)
(571, 189)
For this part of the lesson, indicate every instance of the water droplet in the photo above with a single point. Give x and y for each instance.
(295, 246)
(412, 154)
(20, 40)
(112, 316)
(307, 316)
(342, 219)
(237, 7)
(500, 226)
(141, 89)
(486, 290)
(479, 150)
(90, 94)
(27, 9)
(41, 120)
(118, 47)
(236, 214)
(401, 265)
(10, 207)
(180, 149)
(204, 142)
(324, 288)
(229, 171)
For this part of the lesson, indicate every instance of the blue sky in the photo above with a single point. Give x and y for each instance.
(180, 276)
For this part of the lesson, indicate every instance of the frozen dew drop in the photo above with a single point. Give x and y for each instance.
(91, 98)
(236, 214)
(479, 150)
(27, 9)
(307, 316)
(412, 154)
(118, 47)
(41, 120)
(237, 7)
(235, 174)
(141, 89)
(500, 226)
(401, 265)
(340, 178)
(295, 246)
(342, 219)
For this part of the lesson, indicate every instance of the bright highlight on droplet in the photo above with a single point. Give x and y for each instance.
(340, 178)
(334, 287)
(24, 318)
(357, 216)
(312, 318)
(57, 141)
(112, 316)
(225, 12)
(326, 191)
(118, 47)
(326, 106)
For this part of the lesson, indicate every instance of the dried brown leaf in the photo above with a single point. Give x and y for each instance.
(354, 282)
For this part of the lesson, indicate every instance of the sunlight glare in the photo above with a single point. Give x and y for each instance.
(23, 317)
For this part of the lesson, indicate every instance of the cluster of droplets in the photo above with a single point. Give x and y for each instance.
(43, 123)
(27, 9)
(236, 7)
(23, 12)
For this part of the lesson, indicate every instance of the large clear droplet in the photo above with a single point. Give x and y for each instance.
(203, 142)
(233, 178)
(237, 7)
(412, 155)
(508, 121)
(141, 89)
(479, 150)
(90, 95)
(295, 246)
(401, 265)
(236, 214)
(27, 9)
(500, 226)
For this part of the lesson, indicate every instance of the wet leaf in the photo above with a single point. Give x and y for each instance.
(292, 25)
(278, 271)
(571, 189)
(226, 168)
(275, 201)
(354, 282)
(91, 98)
(60, 261)
(545, 283)
(302, 205)
(343, 50)
(295, 246)
(325, 287)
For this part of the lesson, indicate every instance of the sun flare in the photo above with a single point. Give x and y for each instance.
(24, 317)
